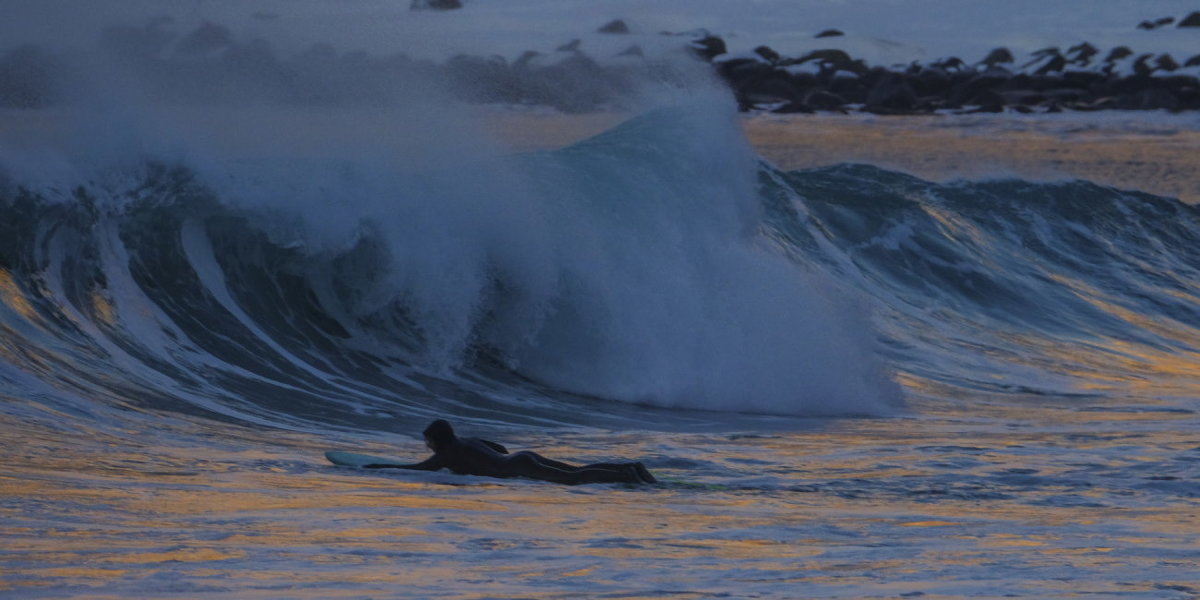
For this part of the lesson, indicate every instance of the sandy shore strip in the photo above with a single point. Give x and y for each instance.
(1155, 153)
(1151, 152)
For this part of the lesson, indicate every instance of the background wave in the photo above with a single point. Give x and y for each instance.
(629, 267)
(658, 264)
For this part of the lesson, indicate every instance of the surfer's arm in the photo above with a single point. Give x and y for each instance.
(495, 446)
(432, 463)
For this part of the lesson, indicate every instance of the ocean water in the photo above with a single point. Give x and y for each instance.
(853, 383)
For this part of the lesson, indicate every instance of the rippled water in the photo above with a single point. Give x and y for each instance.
(852, 383)
(1037, 498)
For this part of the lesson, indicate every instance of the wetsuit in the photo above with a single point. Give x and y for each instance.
(473, 456)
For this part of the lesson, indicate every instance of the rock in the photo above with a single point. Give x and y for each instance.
(571, 46)
(998, 56)
(1193, 61)
(1083, 54)
(794, 107)
(1165, 62)
(953, 63)
(435, 5)
(1155, 24)
(1192, 20)
(830, 33)
(1118, 53)
(1149, 99)
(1022, 97)
(1041, 56)
(990, 107)
(1140, 68)
(746, 76)
(831, 61)
(832, 56)
(708, 47)
(615, 26)
(1082, 80)
(891, 95)
(1103, 103)
(854, 89)
(768, 54)
(930, 82)
(979, 90)
(770, 87)
(823, 100)
(738, 69)
(1055, 64)
(1060, 96)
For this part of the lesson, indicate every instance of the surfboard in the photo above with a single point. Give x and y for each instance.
(354, 459)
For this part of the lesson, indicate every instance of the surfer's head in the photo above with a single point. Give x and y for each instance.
(439, 434)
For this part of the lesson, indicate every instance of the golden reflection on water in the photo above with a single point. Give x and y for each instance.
(11, 295)
(102, 308)
(256, 520)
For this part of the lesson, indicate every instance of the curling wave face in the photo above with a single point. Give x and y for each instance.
(1010, 286)
(629, 267)
(658, 263)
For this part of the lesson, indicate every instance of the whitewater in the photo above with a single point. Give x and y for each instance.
(851, 381)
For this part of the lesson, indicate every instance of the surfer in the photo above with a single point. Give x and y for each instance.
(473, 456)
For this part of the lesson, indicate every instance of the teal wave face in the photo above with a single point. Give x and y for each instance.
(656, 265)
(1065, 287)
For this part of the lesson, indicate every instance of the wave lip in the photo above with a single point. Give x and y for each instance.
(1015, 287)
(629, 267)
(659, 263)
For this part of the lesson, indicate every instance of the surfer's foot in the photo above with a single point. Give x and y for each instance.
(643, 474)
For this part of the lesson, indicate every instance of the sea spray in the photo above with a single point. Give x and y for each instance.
(256, 253)
(626, 267)
(670, 297)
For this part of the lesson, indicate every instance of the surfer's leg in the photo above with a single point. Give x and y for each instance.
(644, 473)
(549, 462)
(535, 466)
(640, 473)
(607, 473)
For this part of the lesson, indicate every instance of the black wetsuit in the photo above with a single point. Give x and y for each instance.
(473, 456)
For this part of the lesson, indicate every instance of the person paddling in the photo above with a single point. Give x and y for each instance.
(473, 456)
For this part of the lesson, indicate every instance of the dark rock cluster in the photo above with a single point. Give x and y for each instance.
(1079, 78)
(209, 65)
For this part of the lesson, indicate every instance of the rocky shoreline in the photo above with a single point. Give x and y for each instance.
(208, 64)
(1077, 79)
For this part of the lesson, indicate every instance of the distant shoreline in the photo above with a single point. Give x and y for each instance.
(1124, 150)
(1151, 152)
(211, 65)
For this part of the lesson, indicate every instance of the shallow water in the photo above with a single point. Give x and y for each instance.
(1031, 497)
(182, 342)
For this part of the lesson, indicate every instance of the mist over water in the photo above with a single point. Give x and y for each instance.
(219, 262)
(340, 226)
(628, 267)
